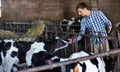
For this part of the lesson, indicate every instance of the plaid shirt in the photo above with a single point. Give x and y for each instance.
(95, 23)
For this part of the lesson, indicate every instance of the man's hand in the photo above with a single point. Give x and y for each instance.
(70, 41)
(109, 29)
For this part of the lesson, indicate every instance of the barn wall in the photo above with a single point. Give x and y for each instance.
(111, 8)
(55, 10)
(22, 10)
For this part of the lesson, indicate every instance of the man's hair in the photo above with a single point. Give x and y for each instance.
(82, 5)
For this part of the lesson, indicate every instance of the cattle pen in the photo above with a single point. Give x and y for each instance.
(21, 27)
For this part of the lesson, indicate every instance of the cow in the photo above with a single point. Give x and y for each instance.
(8, 54)
(100, 64)
(93, 65)
(68, 24)
(46, 59)
(15, 52)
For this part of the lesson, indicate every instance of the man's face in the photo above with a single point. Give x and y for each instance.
(81, 11)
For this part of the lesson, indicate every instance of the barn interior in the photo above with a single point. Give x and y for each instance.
(20, 16)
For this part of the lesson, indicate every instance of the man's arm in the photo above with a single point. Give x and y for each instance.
(79, 37)
(106, 21)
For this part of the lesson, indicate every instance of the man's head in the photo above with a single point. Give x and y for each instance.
(83, 9)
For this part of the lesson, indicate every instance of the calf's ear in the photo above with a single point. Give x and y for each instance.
(76, 69)
(112, 58)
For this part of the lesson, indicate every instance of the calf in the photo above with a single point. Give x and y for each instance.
(45, 58)
(73, 23)
(93, 65)
(21, 51)
(8, 54)
(101, 64)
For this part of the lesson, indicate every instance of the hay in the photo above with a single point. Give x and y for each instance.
(33, 32)
(7, 34)
(36, 30)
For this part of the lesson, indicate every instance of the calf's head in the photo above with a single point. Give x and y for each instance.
(55, 45)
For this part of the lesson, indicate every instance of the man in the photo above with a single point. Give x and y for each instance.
(97, 24)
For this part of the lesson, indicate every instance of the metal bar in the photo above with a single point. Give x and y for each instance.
(87, 35)
(45, 67)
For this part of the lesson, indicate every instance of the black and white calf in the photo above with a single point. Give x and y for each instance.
(68, 24)
(101, 64)
(14, 52)
(8, 54)
(93, 65)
